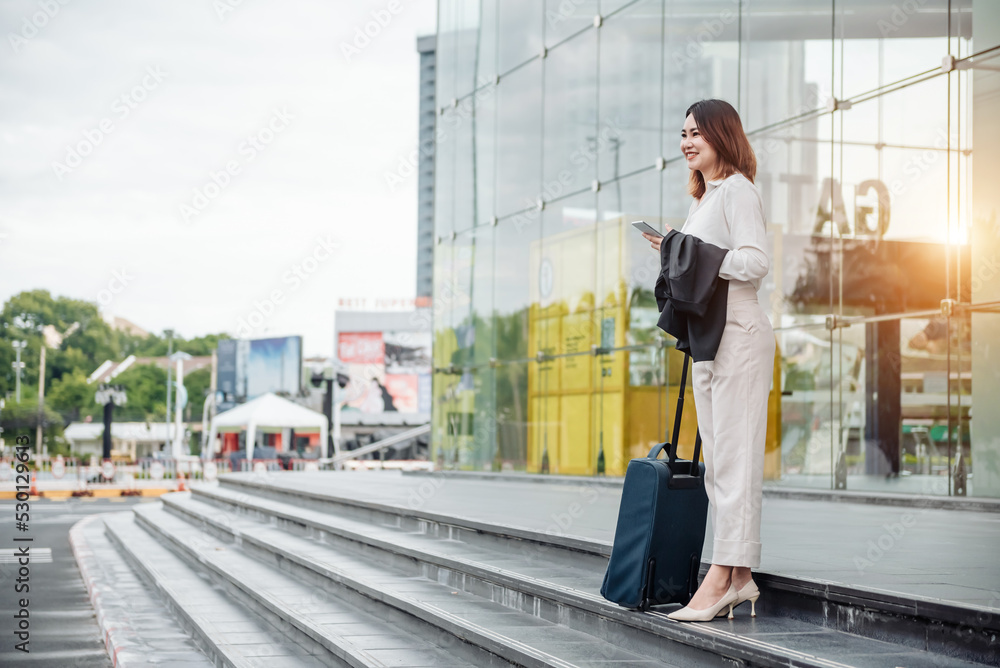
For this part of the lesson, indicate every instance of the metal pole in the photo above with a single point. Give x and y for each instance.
(39, 444)
(179, 449)
(18, 365)
(106, 443)
(328, 411)
(170, 351)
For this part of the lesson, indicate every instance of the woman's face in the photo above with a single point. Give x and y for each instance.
(698, 153)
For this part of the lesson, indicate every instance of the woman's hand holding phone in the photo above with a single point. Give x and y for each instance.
(654, 242)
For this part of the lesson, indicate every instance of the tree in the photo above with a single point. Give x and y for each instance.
(22, 420)
(146, 388)
(197, 383)
(72, 396)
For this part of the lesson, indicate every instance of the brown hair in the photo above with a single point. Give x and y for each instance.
(720, 126)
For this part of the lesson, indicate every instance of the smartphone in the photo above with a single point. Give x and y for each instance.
(643, 226)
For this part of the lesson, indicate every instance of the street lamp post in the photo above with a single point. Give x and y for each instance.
(170, 351)
(18, 366)
(110, 396)
(327, 377)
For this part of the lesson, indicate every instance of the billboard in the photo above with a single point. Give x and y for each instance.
(268, 365)
(226, 371)
(389, 371)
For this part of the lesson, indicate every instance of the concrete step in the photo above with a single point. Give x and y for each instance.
(546, 575)
(408, 599)
(135, 621)
(226, 631)
(345, 628)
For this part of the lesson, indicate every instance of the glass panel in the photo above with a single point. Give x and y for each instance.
(484, 121)
(457, 301)
(511, 287)
(887, 42)
(894, 212)
(977, 402)
(519, 126)
(521, 24)
(459, 131)
(512, 415)
(808, 433)
(565, 269)
(630, 117)
(571, 133)
(701, 58)
(446, 54)
(444, 281)
(563, 19)
(488, 27)
(609, 6)
(925, 370)
(481, 297)
(980, 277)
(779, 81)
(985, 25)
(444, 177)
(482, 451)
(467, 46)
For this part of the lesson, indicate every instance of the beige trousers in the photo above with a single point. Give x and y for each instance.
(730, 394)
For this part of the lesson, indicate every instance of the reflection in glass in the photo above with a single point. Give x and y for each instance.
(519, 124)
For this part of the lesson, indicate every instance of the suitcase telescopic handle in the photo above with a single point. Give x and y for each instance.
(672, 451)
(675, 440)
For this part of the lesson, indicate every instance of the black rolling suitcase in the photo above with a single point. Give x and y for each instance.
(661, 526)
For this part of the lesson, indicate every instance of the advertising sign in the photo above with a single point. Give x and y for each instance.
(268, 365)
(386, 370)
(226, 357)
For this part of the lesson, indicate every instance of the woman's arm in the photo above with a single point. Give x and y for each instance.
(745, 216)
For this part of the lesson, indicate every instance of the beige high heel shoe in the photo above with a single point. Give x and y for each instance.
(749, 592)
(688, 615)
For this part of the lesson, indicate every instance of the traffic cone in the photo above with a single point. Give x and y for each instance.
(33, 490)
(181, 487)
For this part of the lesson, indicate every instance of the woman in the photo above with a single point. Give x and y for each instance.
(731, 391)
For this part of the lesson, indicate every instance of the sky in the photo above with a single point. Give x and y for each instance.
(210, 165)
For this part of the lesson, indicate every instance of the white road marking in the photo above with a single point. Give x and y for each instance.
(38, 555)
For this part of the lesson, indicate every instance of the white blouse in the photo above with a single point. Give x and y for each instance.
(731, 215)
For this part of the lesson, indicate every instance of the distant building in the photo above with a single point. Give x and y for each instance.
(123, 325)
(131, 440)
(387, 355)
(425, 179)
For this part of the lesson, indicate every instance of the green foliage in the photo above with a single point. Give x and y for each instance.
(67, 367)
(146, 388)
(197, 383)
(21, 419)
(72, 396)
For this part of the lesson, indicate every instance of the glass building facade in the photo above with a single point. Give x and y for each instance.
(875, 125)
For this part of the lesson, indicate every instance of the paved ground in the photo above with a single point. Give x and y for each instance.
(948, 555)
(64, 632)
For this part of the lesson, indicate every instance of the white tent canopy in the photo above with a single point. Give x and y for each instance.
(269, 411)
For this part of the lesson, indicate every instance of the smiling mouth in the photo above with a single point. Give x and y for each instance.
(690, 155)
